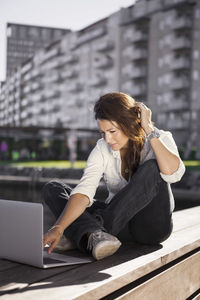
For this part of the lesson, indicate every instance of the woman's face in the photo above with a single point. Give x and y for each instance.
(112, 134)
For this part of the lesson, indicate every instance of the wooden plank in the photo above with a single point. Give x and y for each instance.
(178, 282)
(197, 297)
(5, 265)
(20, 276)
(102, 278)
(186, 218)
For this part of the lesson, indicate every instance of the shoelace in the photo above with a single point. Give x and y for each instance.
(93, 239)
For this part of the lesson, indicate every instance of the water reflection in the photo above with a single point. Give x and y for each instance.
(32, 192)
(28, 193)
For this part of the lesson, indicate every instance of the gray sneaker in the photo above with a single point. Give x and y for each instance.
(102, 244)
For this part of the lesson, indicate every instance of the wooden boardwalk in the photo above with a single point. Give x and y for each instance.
(169, 271)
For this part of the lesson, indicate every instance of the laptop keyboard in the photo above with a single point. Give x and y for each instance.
(48, 261)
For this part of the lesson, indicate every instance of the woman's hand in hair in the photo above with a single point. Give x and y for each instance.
(145, 115)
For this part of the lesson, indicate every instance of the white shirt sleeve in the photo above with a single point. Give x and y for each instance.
(168, 141)
(92, 175)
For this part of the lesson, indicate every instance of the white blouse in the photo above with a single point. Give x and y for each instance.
(105, 162)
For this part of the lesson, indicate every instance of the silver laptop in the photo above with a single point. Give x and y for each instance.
(21, 236)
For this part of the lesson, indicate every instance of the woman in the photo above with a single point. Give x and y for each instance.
(137, 162)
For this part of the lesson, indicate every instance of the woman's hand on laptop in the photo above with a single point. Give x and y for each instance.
(52, 237)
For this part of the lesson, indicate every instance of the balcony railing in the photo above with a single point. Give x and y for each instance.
(52, 77)
(75, 87)
(88, 36)
(24, 114)
(135, 54)
(50, 93)
(182, 22)
(134, 72)
(104, 46)
(27, 77)
(176, 105)
(26, 67)
(136, 36)
(98, 81)
(177, 124)
(24, 102)
(26, 89)
(139, 54)
(35, 72)
(36, 97)
(180, 43)
(49, 54)
(70, 59)
(134, 89)
(35, 85)
(180, 83)
(180, 63)
(70, 102)
(105, 62)
(69, 74)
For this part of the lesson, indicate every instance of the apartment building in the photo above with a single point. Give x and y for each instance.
(24, 40)
(149, 50)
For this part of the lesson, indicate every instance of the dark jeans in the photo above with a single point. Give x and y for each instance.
(142, 207)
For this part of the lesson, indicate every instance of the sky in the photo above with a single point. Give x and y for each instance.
(71, 14)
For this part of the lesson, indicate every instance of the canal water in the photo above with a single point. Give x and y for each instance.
(28, 193)
(32, 192)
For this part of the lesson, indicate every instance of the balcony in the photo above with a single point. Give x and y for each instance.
(181, 43)
(180, 63)
(177, 124)
(49, 54)
(35, 72)
(51, 64)
(36, 97)
(51, 77)
(134, 89)
(26, 67)
(136, 36)
(10, 87)
(55, 108)
(75, 87)
(85, 37)
(70, 59)
(139, 90)
(104, 46)
(135, 54)
(134, 72)
(26, 77)
(176, 105)
(70, 102)
(79, 102)
(139, 54)
(35, 85)
(24, 114)
(103, 63)
(140, 9)
(24, 103)
(139, 36)
(180, 83)
(182, 22)
(97, 81)
(26, 89)
(50, 93)
(69, 74)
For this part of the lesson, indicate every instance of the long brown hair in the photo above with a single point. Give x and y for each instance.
(121, 108)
